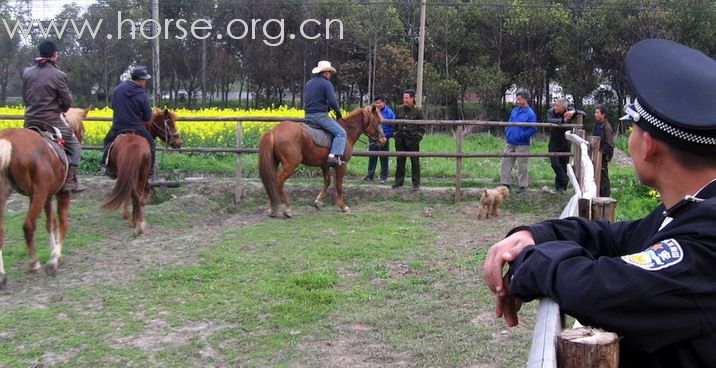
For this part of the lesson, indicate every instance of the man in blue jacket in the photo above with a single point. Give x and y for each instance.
(518, 140)
(318, 98)
(131, 110)
(388, 114)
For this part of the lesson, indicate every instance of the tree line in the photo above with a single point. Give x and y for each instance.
(475, 51)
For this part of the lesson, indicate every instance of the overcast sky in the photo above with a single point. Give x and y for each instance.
(45, 9)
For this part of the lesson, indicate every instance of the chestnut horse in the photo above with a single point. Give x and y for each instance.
(131, 158)
(30, 165)
(289, 144)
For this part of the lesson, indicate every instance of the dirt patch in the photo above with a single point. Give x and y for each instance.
(622, 158)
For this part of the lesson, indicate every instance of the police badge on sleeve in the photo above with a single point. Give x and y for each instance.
(659, 256)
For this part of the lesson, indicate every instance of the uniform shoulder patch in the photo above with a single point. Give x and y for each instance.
(659, 256)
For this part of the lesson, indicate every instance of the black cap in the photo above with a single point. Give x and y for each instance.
(47, 48)
(140, 72)
(675, 87)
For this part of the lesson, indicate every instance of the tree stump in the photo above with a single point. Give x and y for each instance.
(587, 347)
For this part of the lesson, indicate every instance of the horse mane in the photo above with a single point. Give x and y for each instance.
(357, 111)
(160, 112)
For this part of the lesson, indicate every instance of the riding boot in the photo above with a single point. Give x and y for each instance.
(335, 161)
(71, 184)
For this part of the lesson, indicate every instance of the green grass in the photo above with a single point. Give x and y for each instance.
(274, 293)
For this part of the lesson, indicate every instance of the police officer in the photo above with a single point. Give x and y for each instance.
(46, 96)
(130, 111)
(653, 280)
(407, 138)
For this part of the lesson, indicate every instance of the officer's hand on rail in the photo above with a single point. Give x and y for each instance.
(507, 306)
(501, 253)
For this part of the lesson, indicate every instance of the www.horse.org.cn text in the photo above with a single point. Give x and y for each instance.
(271, 32)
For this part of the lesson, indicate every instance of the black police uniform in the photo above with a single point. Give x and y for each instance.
(653, 280)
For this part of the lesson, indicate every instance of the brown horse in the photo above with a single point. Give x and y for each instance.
(30, 165)
(131, 158)
(289, 144)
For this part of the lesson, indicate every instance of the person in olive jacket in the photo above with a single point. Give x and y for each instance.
(407, 138)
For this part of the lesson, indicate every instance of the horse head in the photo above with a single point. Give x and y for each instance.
(74, 117)
(164, 127)
(371, 124)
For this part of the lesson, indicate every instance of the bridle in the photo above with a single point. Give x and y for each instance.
(372, 121)
(169, 137)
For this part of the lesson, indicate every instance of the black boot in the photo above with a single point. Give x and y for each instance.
(71, 184)
(334, 161)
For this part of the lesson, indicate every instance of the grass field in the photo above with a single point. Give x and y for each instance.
(211, 284)
(397, 283)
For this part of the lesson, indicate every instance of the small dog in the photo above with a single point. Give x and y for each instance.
(490, 202)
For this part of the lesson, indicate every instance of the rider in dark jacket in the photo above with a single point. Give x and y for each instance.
(131, 110)
(46, 96)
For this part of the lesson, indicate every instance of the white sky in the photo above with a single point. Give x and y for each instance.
(44, 9)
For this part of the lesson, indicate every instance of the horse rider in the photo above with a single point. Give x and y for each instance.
(47, 96)
(131, 111)
(318, 98)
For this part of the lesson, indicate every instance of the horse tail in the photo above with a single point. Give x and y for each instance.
(5, 156)
(129, 176)
(267, 167)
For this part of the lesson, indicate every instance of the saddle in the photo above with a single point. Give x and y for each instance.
(52, 136)
(320, 137)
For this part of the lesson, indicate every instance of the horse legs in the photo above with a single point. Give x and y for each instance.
(318, 203)
(36, 206)
(340, 172)
(4, 193)
(286, 172)
(55, 237)
(137, 212)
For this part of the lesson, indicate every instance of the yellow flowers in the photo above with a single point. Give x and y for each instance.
(195, 133)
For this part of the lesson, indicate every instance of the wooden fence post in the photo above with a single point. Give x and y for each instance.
(596, 156)
(458, 163)
(587, 347)
(239, 145)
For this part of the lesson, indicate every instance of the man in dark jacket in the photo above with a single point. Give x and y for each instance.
(130, 111)
(407, 138)
(603, 130)
(559, 114)
(651, 280)
(387, 114)
(47, 96)
(518, 141)
(318, 98)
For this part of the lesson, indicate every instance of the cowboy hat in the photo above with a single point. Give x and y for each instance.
(323, 66)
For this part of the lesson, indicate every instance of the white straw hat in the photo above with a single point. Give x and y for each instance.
(323, 66)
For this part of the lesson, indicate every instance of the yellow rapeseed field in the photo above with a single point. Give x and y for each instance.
(195, 134)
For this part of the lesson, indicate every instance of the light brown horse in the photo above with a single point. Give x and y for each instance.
(131, 158)
(30, 165)
(289, 144)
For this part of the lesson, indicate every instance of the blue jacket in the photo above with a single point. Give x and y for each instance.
(388, 114)
(519, 135)
(130, 106)
(319, 96)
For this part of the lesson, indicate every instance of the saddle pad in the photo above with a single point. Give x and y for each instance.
(50, 139)
(320, 137)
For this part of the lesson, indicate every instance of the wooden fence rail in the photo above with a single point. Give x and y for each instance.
(457, 125)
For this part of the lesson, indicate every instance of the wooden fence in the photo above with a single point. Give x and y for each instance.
(458, 154)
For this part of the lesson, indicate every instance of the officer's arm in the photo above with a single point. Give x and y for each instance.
(649, 298)
(63, 93)
(553, 118)
(599, 238)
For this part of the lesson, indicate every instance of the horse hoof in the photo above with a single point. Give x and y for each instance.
(317, 205)
(51, 269)
(3, 280)
(346, 209)
(33, 268)
(288, 213)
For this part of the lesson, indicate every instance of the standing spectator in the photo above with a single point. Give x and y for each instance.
(518, 140)
(388, 114)
(407, 138)
(603, 130)
(559, 114)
